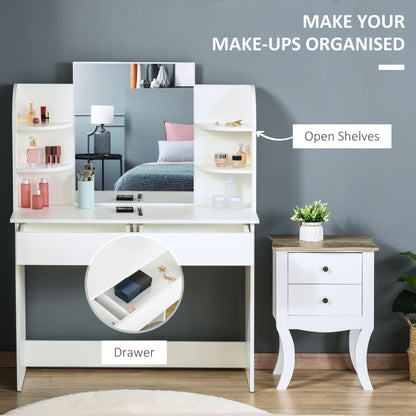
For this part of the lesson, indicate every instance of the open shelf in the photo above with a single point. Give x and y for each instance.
(45, 169)
(222, 127)
(57, 125)
(58, 99)
(229, 170)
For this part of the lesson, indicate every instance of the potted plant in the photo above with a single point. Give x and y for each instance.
(311, 218)
(406, 304)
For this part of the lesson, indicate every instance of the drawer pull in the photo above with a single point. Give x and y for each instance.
(325, 269)
(325, 300)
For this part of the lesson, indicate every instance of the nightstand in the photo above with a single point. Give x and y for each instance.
(324, 286)
(101, 156)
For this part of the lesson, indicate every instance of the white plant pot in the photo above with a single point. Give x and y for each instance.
(311, 231)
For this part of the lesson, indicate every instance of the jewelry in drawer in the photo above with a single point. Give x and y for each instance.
(325, 300)
(325, 268)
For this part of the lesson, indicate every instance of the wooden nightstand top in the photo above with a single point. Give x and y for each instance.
(330, 243)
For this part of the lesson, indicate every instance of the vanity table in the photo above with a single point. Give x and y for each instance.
(196, 233)
(324, 286)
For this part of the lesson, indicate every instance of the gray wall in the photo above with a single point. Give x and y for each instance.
(146, 111)
(367, 191)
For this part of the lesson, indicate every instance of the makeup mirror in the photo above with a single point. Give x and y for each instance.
(134, 123)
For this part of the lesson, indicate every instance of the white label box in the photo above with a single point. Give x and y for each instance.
(134, 352)
(342, 136)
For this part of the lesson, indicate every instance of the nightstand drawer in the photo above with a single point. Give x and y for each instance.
(325, 268)
(324, 300)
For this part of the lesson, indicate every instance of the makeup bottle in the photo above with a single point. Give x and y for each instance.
(35, 119)
(25, 193)
(242, 153)
(44, 191)
(37, 200)
(31, 113)
(221, 159)
(237, 161)
(32, 153)
(47, 117)
(48, 156)
(229, 188)
(43, 115)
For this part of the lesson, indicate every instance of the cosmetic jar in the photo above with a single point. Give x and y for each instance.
(221, 159)
(237, 161)
(235, 202)
(218, 201)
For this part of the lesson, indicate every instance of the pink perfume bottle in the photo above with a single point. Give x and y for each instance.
(25, 193)
(37, 200)
(44, 191)
(32, 153)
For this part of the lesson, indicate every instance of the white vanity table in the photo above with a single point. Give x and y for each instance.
(196, 234)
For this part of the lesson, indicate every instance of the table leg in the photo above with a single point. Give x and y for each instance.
(20, 326)
(121, 166)
(354, 333)
(102, 174)
(361, 358)
(280, 358)
(288, 358)
(250, 326)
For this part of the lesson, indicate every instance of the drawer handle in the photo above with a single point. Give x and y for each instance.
(325, 269)
(325, 300)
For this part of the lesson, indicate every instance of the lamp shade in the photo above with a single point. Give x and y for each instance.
(102, 114)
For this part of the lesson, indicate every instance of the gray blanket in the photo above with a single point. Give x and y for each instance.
(163, 177)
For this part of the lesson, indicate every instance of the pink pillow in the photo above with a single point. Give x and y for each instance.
(178, 132)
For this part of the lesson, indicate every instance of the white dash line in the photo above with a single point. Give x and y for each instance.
(397, 67)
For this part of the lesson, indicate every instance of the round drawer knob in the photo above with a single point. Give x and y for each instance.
(325, 300)
(325, 269)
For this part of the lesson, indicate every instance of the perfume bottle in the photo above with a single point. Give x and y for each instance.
(242, 153)
(31, 113)
(25, 193)
(37, 200)
(47, 117)
(44, 191)
(32, 153)
(43, 115)
(35, 119)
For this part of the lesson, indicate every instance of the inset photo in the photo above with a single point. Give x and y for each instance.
(134, 284)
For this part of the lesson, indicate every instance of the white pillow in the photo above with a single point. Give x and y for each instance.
(180, 151)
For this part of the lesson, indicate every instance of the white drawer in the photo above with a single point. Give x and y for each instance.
(325, 268)
(324, 300)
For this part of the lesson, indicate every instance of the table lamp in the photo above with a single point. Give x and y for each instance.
(100, 115)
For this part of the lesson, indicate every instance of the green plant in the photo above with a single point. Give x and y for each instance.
(405, 301)
(316, 212)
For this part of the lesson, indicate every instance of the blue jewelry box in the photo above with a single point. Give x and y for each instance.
(132, 286)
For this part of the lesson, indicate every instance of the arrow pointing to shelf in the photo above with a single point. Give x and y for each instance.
(260, 133)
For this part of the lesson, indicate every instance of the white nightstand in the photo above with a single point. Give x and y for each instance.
(325, 286)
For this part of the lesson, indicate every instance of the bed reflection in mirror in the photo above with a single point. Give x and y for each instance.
(151, 142)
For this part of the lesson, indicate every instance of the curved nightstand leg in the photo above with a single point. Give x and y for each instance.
(288, 358)
(354, 333)
(361, 358)
(279, 362)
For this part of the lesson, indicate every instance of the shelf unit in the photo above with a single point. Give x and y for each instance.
(228, 170)
(214, 106)
(45, 169)
(57, 125)
(58, 99)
